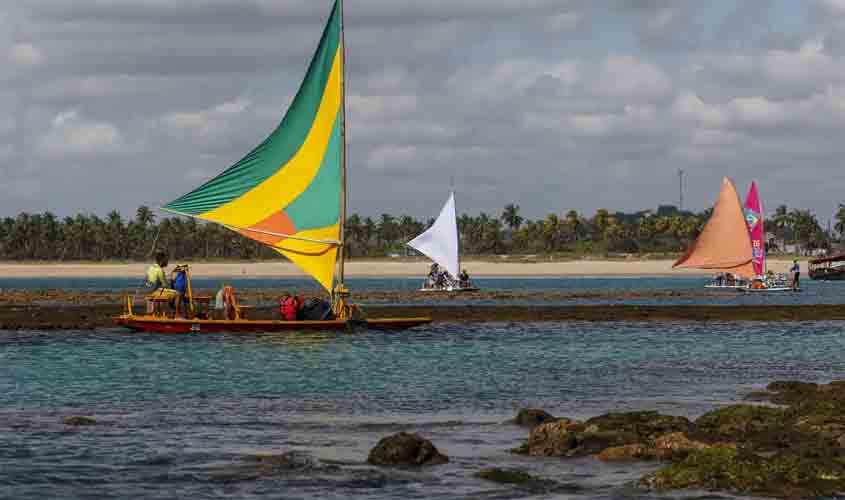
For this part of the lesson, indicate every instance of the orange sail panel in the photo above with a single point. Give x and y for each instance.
(724, 245)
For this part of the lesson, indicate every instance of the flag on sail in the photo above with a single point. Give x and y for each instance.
(440, 242)
(287, 192)
(724, 244)
(754, 218)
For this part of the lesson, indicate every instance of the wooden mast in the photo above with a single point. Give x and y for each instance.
(343, 202)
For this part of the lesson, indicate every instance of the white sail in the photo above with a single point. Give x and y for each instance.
(440, 242)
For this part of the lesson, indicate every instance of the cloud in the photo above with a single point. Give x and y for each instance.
(552, 104)
(25, 54)
(628, 77)
(71, 134)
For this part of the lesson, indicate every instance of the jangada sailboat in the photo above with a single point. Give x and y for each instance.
(441, 244)
(726, 244)
(288, 193)
(764, 281)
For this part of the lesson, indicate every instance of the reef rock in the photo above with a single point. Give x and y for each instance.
(787, 474)
(532, 417)
(79, 420)
(506, 476)
(406, 449)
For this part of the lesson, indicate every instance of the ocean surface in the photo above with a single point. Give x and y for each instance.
(184, 416)
(529, 291)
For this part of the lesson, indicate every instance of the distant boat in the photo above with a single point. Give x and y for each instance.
(727, 245)
(830, 268)
(764, 281)
(441, 244)
(289, 193)
(724, 245)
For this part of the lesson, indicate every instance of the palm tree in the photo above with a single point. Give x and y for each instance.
(511, 217)
(551, 231)
(840, 221)
(573, 222)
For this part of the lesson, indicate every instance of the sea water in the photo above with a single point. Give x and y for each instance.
(183, 416)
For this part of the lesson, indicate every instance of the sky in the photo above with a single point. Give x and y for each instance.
(549, 104)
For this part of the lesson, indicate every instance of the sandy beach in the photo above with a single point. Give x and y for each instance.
(378, 269)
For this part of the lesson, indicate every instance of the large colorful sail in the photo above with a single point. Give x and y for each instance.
(754, 218)
(724, 244)
(288, 192)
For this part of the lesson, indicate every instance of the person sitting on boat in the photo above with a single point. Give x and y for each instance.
(795, 270)
(464, 278)
(219, 303)
(290, 307)
(719, 279)
(157, 281)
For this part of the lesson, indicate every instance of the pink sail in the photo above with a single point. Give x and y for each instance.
(754, 218)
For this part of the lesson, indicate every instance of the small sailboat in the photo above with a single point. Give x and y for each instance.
(764, 281)
(440, 243)
(288, 193)
(724, 245)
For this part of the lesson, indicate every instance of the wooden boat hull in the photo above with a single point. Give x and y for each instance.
(448, 290)
(827, 274)
(152, 324)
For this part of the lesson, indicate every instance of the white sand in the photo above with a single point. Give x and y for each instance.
(381, 268)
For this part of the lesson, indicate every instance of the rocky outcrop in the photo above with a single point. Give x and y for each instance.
(506, 476)
(532, 417)
(406, 449)
(78, 420)
(569, 438)
(787, 474)
(797, 451)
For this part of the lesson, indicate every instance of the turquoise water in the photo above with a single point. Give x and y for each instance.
(577, 291)
(181, 415)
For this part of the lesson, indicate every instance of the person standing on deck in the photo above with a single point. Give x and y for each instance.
(795, 270)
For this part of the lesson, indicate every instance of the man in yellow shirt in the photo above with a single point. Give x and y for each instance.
(157, 280)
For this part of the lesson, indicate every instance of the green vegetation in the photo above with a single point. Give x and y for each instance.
(665, 231)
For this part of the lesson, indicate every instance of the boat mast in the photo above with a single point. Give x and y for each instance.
(762, 230)
(343, 169)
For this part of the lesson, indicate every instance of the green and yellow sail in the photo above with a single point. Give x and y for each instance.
(288, 192)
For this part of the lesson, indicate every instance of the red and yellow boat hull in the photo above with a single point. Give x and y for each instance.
(157, 324)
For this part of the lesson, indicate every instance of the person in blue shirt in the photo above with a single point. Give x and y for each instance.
(795, 270)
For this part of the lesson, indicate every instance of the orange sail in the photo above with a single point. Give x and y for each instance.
(724, 245)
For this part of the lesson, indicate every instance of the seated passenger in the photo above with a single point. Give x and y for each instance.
(464, 279)
(158, 283)
(290, 307)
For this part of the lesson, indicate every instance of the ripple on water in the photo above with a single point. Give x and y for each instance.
(180, 416)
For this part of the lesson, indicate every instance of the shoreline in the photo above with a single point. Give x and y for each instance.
(378, 269)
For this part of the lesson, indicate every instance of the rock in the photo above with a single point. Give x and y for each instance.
(740, 421)
(406, 449)
(79, 420)
(672, 446)
(645, 425)
(676, 445)
(786, 474)
(555, 439)
(625, 453)
(505, 476)
(532, 417)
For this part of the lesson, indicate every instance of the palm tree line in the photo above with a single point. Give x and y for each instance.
(46, 237)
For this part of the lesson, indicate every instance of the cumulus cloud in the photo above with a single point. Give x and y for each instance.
(25, 54)
(552, 104)
(72, 134)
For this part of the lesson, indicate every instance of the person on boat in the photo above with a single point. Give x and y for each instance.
(219, 303)
(290, 307)
(179, 282)
(464, 278)
(157, 281)
(719, 279)
(795, 270)
(230, 304)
